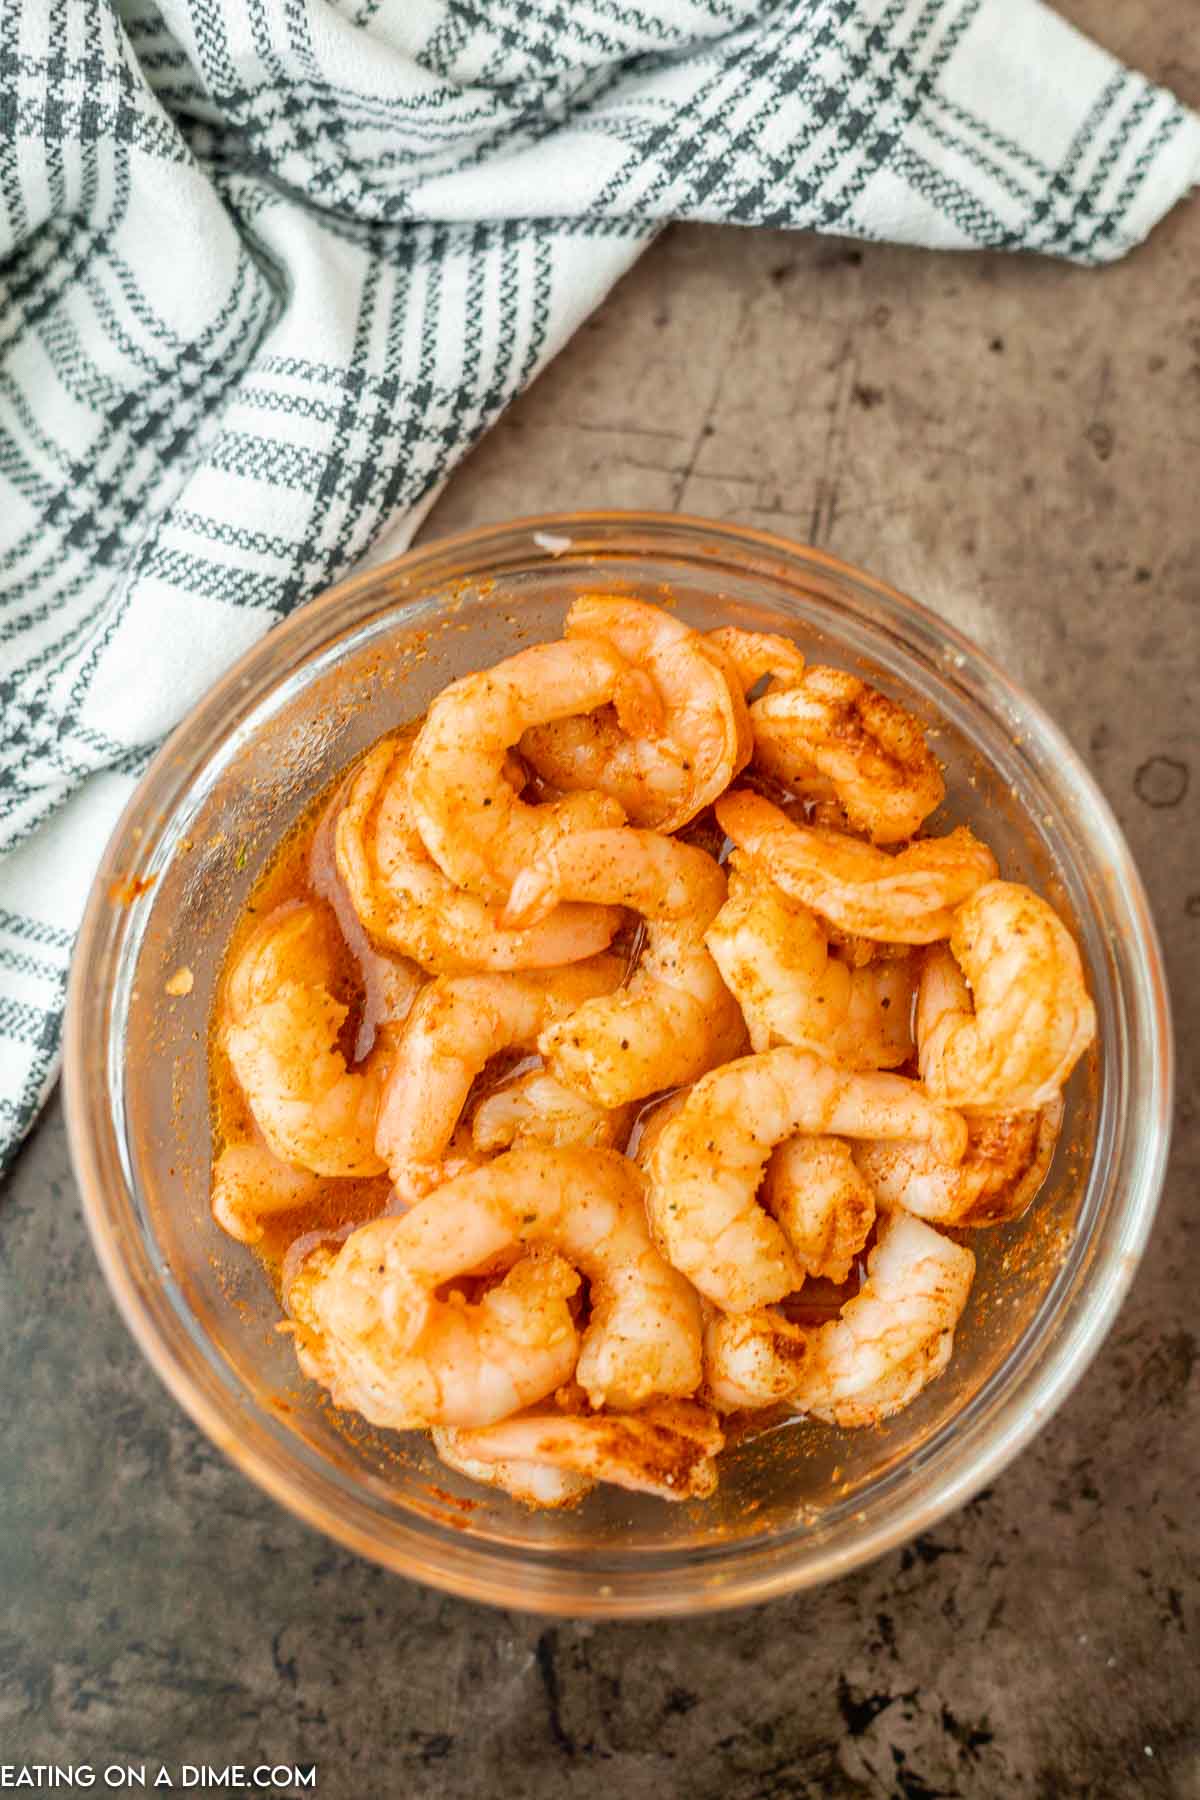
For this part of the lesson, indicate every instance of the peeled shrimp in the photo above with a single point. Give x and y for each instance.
(707, 1163)
(676, 1016)
(753, 654)
(280, 1028)
(906, 898)
(373, 1328)
(405, 901)
(457, 1025)
(773, 953)
(390, 982)
(368, 1327)
(476, 828)
(541, 1484)
(821, 1202)
(668, 1449)
(1032, 1017)
(249, 1184)
(888, 1343)
(872, 750)
(535, 1108)
(663, 777)
(1007, 1160)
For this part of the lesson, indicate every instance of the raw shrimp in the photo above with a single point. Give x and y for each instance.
(822, 1204)
(753, 654)
(668, 1449)
(405, 901)
(872, 750)
(535, 1108)
(906, 898)
(476, 828)
(457, 1025)
(1007, 1160)
(1032, 1017)
(664, 777)
(707, 1164)
(279, 1027)
(889, 1342)
(374, 1330)
(675, 1017)
(773, 953)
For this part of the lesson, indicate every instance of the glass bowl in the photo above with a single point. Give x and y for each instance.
(798, 1505)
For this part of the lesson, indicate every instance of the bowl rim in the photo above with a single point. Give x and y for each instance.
(477, 1570)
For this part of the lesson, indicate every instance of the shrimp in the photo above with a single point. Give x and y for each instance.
(478, 831)
(249, 1184)
(369, 1329)
(906, 898)
(674, 1019)
(668, 1449)
(1032, 1018)
(754, 654)
(373, 1329)
(405, 902)
(459, 1023)
(665, 777)
(889, 1342)
(707, 1163)
(390, 982)
(823, 1205)
(534, 1108)
(773, 953)
(280, 1030)
(752, 1359)
(872, 750)
(543, 1485)
(1007, 1160)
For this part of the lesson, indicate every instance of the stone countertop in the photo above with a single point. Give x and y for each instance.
(1015, 443)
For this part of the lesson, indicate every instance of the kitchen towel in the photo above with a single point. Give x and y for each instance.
(270, 267)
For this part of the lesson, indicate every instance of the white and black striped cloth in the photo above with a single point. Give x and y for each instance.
(271, 266)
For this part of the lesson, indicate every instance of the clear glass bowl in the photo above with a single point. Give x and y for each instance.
(802, 1504)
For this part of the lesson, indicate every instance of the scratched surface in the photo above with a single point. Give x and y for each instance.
(1018, 445)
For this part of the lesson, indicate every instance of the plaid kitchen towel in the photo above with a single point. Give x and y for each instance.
(271, 266)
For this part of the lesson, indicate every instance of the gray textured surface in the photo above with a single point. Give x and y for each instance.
(1018, 445)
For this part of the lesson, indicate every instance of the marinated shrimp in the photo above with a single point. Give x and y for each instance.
(1031, 1018)
(676, 1017)
(707, 1163)
(390, 981)
(535, 1108)
(664, 777)
(470, 1253)
(405, 901)
(474, 825)
(279, 1026)
(249, 1184)
(906, 898)
(755, 654)
(374, 1330)
(822, 1204)
(773, 954)
(457, 1025)
(1007, 1160)
(892, 1339)
(872, 749)
(668, 1449)
(368, 1326)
